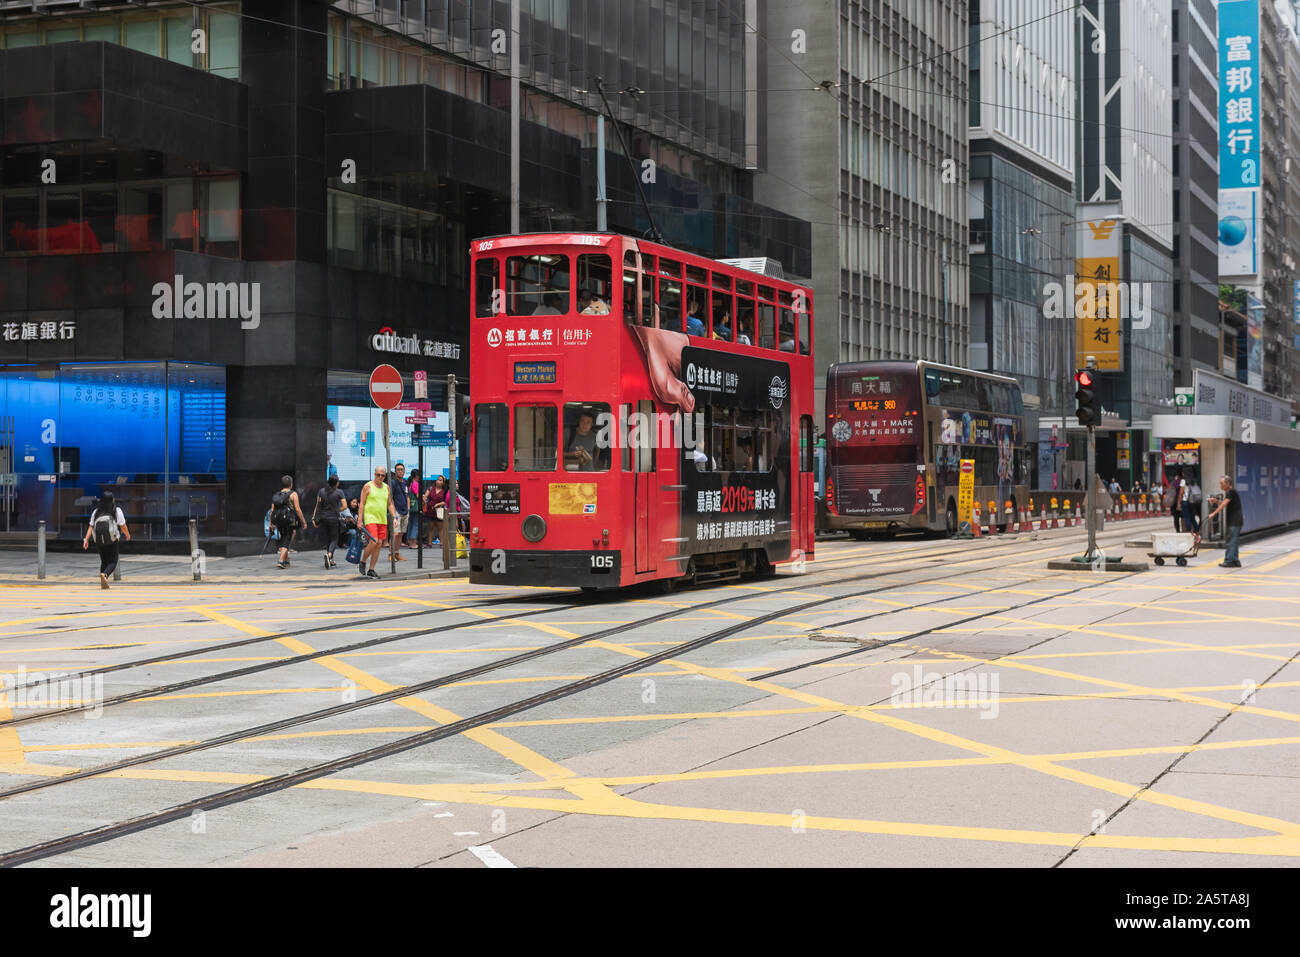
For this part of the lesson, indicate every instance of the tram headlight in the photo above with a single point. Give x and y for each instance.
(534, 528)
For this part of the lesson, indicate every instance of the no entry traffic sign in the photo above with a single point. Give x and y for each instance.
(386, 387)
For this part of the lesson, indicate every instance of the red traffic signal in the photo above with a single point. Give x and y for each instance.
(1086, 397)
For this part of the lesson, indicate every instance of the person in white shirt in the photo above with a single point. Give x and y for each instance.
(107, 525)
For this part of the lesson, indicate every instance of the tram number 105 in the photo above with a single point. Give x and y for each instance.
(602, 561)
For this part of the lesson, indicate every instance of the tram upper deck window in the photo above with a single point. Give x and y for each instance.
(697, 304)
(595, 284)
(767, 325)
(785, 327)
(586, 436)
(723, 325)
(803, 321)
(487, 281)
(630, 278)
(537, 285)
(670, 295)
(536, 438)
(491, 437)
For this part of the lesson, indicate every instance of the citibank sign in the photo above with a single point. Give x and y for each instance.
(386, 340)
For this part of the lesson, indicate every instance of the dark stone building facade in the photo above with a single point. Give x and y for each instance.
(340, 157)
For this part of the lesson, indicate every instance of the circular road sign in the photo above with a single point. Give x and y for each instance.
(386, 387)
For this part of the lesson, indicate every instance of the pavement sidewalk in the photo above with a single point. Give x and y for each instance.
(18, 567)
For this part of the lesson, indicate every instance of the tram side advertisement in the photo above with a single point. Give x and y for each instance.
(728, 503)
(735, 449)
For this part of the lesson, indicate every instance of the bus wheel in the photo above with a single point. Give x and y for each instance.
(590, 589)
(952, 519)
(858, 534)
(762, 567)
(666, 585)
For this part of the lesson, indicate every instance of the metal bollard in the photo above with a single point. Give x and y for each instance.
(196, 561)
(40, 552)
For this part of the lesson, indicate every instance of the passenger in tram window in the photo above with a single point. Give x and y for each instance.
(581, 452)
(552, 305)
(745, 462)
(589, 304)
(721, 321)
(743, 326)
(695, 318)
(787, 336)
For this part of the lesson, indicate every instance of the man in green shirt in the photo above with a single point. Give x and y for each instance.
(376, 512)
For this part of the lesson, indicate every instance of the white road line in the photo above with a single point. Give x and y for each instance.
(488, 856)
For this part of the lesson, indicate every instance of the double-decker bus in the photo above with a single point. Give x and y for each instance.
(641, 414)
(897, 433)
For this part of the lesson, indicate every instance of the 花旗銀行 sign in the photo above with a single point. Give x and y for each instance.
(386, 340)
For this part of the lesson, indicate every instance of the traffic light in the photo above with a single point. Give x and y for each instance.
(464, 417)
(1085, 395)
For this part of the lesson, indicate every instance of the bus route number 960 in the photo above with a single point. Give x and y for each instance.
(603, 562)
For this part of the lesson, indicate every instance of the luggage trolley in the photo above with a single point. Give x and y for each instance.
(1179, 546)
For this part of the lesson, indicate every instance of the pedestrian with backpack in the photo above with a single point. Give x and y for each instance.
(286, 516)
(107, 526)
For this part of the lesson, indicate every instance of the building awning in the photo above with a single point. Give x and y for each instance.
(1228, 427)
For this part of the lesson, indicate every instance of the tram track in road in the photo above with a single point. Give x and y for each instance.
(289, 779)
(187, 684)
(467, 674)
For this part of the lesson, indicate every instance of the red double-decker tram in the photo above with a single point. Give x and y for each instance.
(640, 414)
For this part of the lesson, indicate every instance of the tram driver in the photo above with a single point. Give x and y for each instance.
(580, 455)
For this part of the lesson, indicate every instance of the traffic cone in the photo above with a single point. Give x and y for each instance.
(1078, 518)
(1042, 519)
(1026, 520)
(975, 520)
(1009, 517)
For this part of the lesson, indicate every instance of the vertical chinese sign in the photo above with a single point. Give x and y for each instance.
(1239, 132)
(1098, 320)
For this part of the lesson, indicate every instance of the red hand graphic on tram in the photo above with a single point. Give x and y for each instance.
(663, 351)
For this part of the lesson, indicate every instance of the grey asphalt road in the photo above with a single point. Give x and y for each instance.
(918, 702)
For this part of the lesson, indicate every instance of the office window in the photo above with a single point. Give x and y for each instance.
(177, 30)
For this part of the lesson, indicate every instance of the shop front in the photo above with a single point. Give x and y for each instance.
(152, 433)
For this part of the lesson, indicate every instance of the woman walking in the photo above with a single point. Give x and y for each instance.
(107, 525)
(435, 509)
(286, 516)
(330, 506)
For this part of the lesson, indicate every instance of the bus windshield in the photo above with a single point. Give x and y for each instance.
(877, 408)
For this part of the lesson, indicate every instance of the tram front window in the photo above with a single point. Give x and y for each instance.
(536, 438)
(586, 436)
(491, 437)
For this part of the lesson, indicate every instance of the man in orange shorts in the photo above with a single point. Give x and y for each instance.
(376, 512)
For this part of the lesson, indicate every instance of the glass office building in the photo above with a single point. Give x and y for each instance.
(191, 288)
